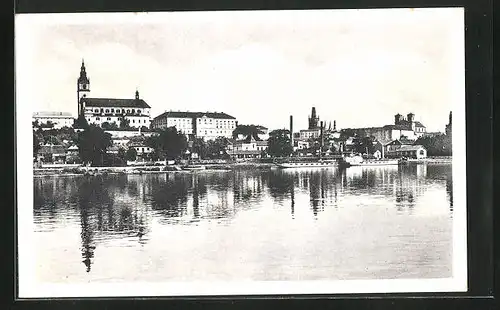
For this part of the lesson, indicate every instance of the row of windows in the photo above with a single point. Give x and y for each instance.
(214, 132)
(143, 149)
(133, 111)
(133, 120)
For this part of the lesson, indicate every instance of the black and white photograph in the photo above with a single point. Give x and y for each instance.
(241, 152)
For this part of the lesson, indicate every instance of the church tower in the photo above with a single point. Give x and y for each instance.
(313, 119)
(83, 88)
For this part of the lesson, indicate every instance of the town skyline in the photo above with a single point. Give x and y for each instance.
(265, 70)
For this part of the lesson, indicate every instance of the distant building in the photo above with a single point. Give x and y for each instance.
(408, 128)
(409, 151)
(205, 125)
(110, 110)
(248, 148)
(57, 119)
(309, 133)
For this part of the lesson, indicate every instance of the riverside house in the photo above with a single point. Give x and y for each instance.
(247, 148)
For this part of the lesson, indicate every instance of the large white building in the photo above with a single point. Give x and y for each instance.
(110, 110)
(402, 127)
(57, 119)
(205, 125)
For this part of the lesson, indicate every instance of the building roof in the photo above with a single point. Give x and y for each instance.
(385, 141)
(406, 141)
(310, 130)
(419, 124)
(398, 127)
(180, 114)
(409, 148)
(115, 103)
(52, 114)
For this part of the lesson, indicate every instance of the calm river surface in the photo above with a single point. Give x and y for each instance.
(323, 224)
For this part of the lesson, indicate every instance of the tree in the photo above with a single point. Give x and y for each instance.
(81, 122)
(247, 130)
(168, 143)
(364, 145)
(347, 133)
(279, 143)
(131, 154)
(36, 144)
(92, 144)
(199, 146)
(439, 145)
(124, 123)
(109, 126)
(217, 148)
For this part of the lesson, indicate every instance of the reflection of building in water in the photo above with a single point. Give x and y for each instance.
(87, 233)
(321, 185)
(246, 185)
(316, 192)
(405, 183)
(280, 184)
(449, 190)
(169, 196)
(106, 210)
(410, 185)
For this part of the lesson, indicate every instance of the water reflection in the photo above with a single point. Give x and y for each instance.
(122, 207)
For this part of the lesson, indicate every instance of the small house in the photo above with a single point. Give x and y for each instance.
(409, 151)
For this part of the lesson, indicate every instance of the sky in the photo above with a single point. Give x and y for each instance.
(358, 67)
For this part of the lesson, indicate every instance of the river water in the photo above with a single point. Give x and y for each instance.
(323, 224)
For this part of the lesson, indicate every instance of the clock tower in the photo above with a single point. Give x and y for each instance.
(83, 88)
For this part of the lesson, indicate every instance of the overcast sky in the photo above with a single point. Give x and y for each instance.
(358, 67)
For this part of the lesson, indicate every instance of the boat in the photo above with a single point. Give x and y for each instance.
(193, 167)
(312, 164)
(376, 163)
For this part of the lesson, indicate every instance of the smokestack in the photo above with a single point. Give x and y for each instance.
(334, 125)
(291, 129)
(320, 138)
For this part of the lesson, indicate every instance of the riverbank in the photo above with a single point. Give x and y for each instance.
(146, 169)
(250, 165)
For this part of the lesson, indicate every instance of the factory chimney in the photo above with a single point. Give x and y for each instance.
(291, 129)
(320, 139)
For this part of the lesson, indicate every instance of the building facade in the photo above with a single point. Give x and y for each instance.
(248, 148)
(409, 151)
(205, 125)
(309, 133)
(57, 119)
(110, 110)
(402, 127)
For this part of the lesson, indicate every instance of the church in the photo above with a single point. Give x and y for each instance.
(99, 111)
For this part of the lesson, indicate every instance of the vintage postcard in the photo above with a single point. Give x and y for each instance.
(241, 152)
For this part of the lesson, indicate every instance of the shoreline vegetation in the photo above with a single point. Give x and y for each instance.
(74, 170)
